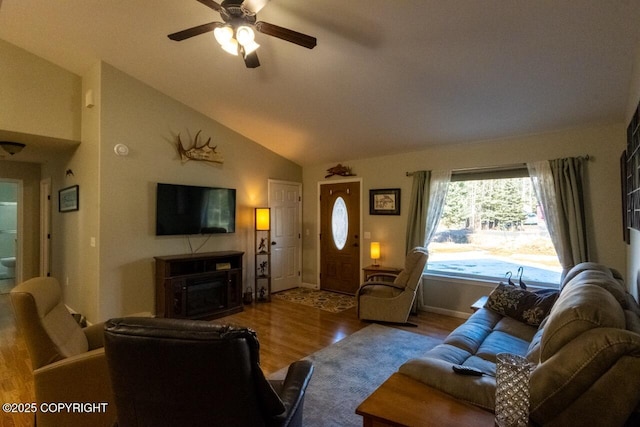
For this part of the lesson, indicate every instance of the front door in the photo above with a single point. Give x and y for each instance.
(339, 237)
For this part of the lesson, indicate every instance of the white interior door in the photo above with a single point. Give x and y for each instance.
(286, 241)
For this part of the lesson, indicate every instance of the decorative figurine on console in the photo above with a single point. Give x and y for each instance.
(262, 294)
(263, 268)
(262, 247)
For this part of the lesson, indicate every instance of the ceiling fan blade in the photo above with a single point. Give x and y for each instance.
(194, 31)
(255, 5)
(286, 34)
(213, 5)
(251, 60)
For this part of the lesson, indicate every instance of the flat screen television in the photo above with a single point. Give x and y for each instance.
(187, 209)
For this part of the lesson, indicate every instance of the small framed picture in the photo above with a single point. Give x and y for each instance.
(384, 201)
(68, 199)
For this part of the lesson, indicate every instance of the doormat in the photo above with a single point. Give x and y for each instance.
(324, 300)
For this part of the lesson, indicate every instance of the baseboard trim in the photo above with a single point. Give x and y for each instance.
(445, 312)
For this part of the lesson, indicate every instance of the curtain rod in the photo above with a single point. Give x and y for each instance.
(585, 157)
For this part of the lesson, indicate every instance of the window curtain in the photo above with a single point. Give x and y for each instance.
(428, 194)
(417, 221)
(559, 186)
(438, 193)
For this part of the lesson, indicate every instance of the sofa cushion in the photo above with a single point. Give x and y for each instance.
(581, 307)
(533, 352)
(438, 373)
(525, 306)
(590, 266)
(470, 335)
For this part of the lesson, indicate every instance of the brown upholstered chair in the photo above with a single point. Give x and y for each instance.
(175, 372)
(391, 299)
(68, 361)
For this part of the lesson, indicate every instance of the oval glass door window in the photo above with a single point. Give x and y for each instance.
(339, 223)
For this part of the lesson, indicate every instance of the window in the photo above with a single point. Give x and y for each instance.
(339, 223)
(492, 224)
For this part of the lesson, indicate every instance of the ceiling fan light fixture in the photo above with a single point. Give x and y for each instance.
(236, 34)
(223, 34)
(245, 35)
(12, 147)
(250, 47)
(231, 47)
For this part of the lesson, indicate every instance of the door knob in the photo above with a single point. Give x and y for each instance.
(273, 243)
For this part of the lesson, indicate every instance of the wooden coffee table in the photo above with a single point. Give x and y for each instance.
(403, 401)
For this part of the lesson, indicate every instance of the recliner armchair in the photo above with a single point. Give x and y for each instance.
(68, 361)
(176, 372)
(391, 299)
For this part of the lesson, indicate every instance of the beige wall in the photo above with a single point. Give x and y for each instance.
(603, 143)
(40, 104)
(74, 262)
(38, 97)
(117, 194)
(148, 122)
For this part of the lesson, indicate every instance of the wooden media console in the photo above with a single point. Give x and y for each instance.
(199, 286)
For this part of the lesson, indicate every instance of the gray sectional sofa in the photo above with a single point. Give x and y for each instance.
(585, 352)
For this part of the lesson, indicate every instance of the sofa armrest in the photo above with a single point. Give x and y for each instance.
(387, 284)
(390, 277)
(292, 393)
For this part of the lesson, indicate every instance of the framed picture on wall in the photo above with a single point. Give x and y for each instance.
(384, 201)
(68, 199)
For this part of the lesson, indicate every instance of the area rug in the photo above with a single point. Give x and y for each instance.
(328, 301)
(347, 372)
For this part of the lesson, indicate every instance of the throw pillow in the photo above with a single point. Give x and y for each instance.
(530, 307)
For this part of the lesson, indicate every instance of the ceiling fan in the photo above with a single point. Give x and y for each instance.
(235, 35)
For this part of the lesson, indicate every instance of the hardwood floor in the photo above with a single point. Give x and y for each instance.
(287, 332)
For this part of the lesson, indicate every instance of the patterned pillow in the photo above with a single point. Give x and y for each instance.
(530, 307)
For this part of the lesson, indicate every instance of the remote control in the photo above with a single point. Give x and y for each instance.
(467, 370)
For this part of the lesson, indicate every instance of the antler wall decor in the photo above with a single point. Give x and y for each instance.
(204, 152)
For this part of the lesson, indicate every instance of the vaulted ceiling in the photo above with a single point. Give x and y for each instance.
(386, 75)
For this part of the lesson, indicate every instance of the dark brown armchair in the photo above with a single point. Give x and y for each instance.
(171, 372)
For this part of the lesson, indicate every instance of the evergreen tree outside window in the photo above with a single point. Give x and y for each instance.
(492, 225)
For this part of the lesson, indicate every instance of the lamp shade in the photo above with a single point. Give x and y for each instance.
(263, 219)
(375, 251)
